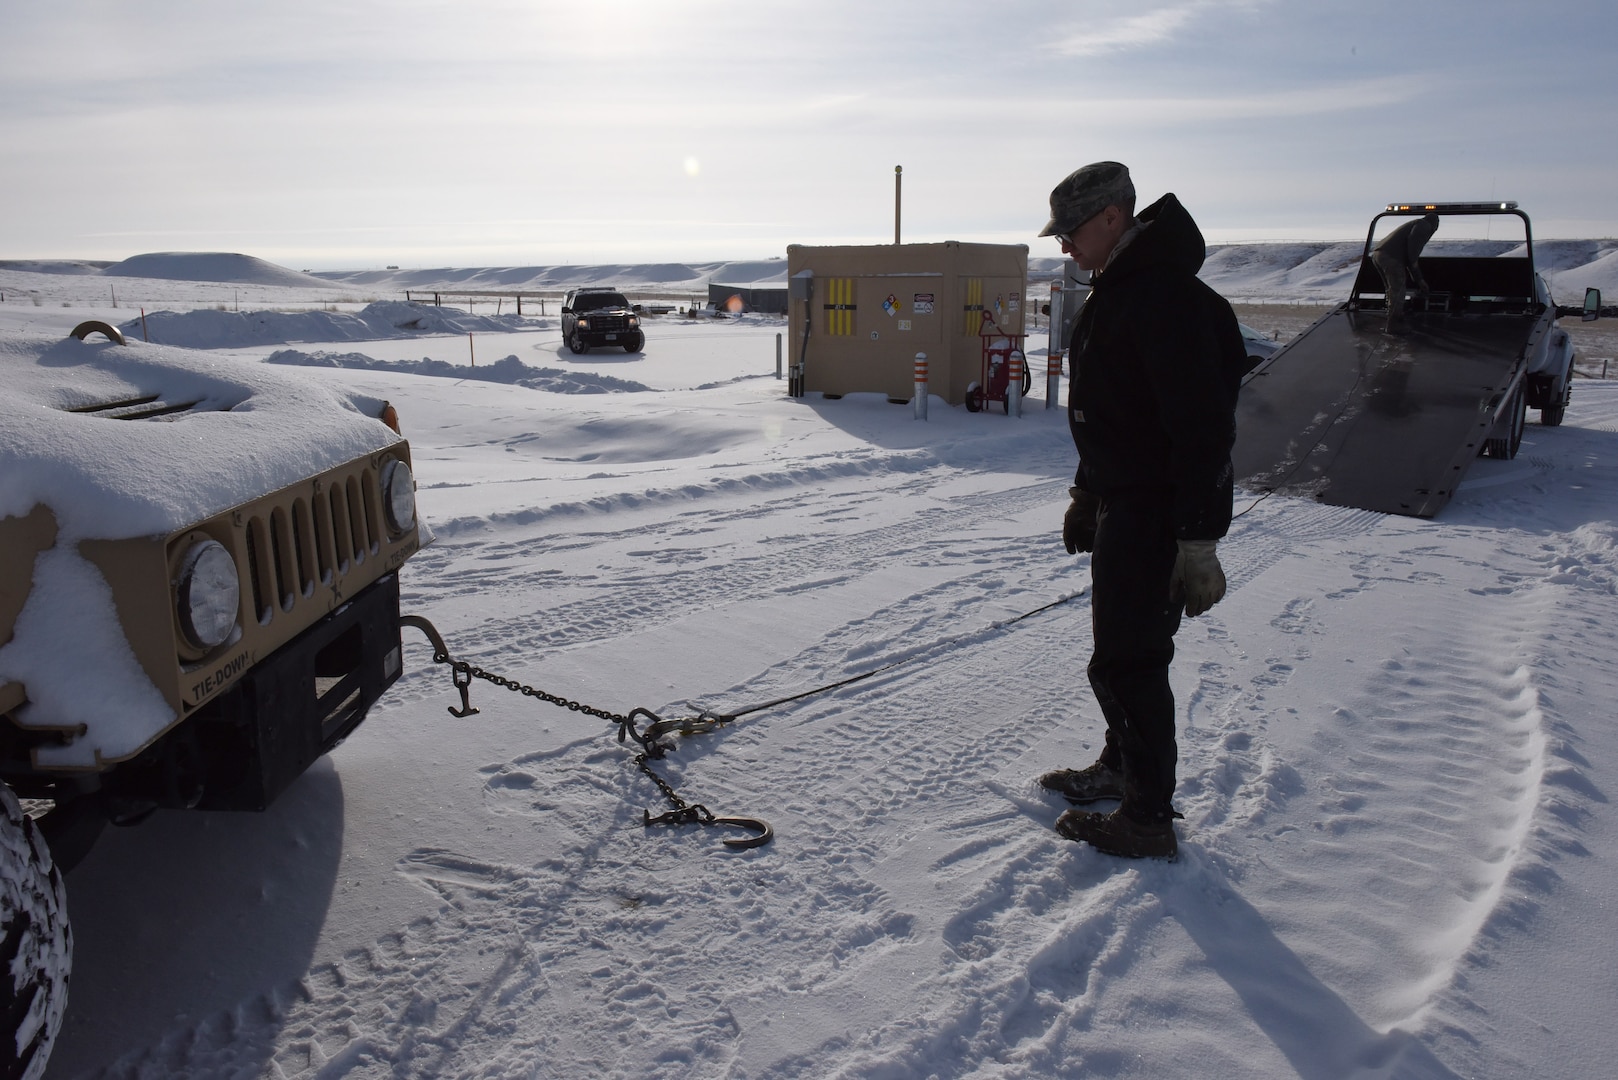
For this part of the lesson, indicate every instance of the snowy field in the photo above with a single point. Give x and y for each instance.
(1399, 852)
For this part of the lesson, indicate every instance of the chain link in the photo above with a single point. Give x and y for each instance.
(649, 739)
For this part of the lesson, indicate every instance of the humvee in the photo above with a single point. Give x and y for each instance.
(199, 596)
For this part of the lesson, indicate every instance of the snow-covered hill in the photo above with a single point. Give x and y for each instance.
(1312, 272)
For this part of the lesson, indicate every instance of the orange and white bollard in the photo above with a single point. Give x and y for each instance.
(1053, 379)
(919, 403)
(1014, 383)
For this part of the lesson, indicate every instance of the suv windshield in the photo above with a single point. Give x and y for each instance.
(595, 301)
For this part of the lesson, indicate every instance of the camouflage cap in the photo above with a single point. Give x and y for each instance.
(1085, 193)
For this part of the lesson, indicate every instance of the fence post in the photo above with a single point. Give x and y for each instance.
(1014, 383)
(919, 402)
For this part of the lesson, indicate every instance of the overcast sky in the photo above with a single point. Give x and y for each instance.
(341, 134)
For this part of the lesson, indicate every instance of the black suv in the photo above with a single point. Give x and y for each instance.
(600, 316)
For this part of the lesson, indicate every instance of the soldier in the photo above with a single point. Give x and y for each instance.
(1396, 257)
(1156, 361)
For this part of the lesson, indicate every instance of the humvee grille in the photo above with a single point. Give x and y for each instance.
(303, 539)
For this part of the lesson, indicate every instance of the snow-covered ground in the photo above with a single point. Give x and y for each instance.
(1399, 852)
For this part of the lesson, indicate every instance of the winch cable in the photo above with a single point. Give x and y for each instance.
(715, 720)
(650, 737)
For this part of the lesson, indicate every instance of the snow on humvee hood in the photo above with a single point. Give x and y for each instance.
(251, 430)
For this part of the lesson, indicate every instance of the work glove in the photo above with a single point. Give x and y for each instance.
(1079, 523)
(1198, 578)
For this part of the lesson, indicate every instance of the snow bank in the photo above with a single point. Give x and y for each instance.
(211, 329)
(215, 266)
(509, 371)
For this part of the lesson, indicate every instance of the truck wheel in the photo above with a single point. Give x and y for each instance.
(1551, 415)
(578, 344)
(636, 344)
(36, 944)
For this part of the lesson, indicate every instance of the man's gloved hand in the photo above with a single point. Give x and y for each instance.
(1079, 523)
(1198, 578)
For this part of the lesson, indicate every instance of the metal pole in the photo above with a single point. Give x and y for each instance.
(777, 356)
(919, 402)
(898, 177)
(1053, 345)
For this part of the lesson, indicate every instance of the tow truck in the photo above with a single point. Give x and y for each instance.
(1367, 411)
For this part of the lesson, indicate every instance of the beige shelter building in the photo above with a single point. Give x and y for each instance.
(859, 314)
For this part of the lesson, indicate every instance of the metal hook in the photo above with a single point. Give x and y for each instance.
(701, 815)
(764, 834)
(463, 683)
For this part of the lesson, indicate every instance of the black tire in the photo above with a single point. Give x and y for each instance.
(1551, 415)
(636, 344)
(578, 344)
(36, 948)
(974, 399)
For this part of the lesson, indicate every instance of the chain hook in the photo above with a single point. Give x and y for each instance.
(463, 682)
(762, 833)
(698, 814)
(650, 740)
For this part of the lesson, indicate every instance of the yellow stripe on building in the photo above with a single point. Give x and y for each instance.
(974, 307)
(840, 306)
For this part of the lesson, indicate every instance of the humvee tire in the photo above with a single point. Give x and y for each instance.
(36, 945)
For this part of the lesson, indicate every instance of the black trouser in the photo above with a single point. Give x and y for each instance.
(1134, 623)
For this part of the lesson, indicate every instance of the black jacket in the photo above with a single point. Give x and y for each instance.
(1157, 359)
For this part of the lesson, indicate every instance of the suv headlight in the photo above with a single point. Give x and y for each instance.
(207, 594)
(399, 496)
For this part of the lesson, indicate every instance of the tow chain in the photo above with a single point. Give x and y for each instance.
(648, 738)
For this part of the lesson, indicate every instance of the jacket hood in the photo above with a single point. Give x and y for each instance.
(1170, 240)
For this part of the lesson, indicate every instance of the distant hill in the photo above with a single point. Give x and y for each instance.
(1315, 272)
(219, 266)
(1308, 272)
(636, 276)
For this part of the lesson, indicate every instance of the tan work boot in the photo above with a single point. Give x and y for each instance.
(1117, 834)
(1086, 785)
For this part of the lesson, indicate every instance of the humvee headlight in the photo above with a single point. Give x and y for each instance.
(207, 594)
(399, 496)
